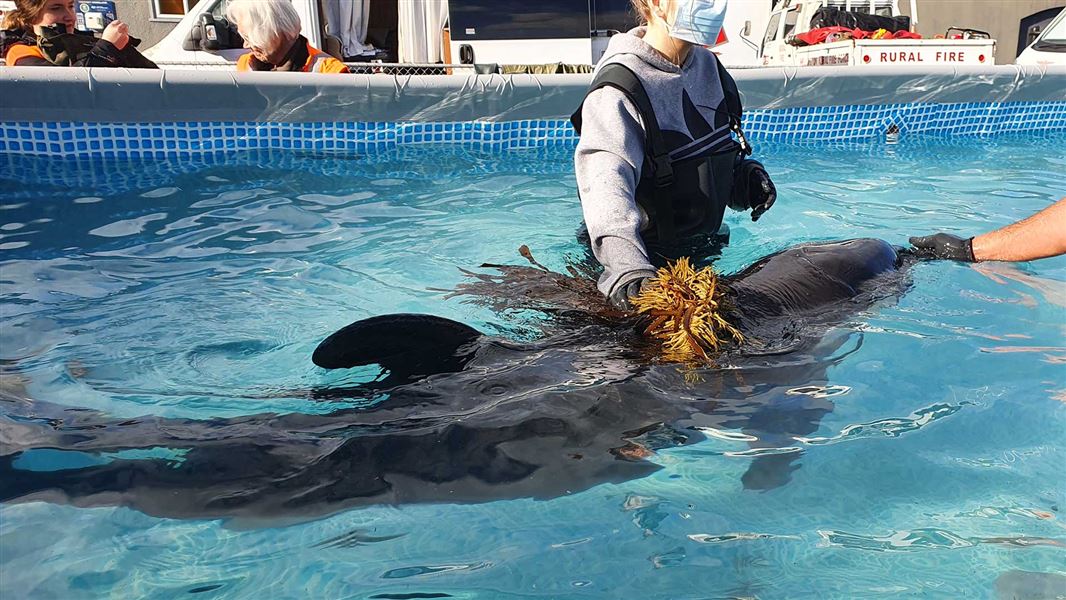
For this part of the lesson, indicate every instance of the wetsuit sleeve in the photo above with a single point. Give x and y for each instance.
(607, 163)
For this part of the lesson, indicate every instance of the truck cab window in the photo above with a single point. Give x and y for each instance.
(771, 30)
(791, 18)
(219, 10)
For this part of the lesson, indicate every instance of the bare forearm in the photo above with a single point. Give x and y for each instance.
(1039, 236)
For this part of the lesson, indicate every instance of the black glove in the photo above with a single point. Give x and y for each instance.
(752, 188)
(944, 245)
(621, 294)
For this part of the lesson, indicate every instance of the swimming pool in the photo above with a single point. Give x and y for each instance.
(188, 289)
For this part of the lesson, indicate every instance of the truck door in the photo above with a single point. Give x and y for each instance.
(208, 18)
(788, 28)
(230, 51)
(769, 47)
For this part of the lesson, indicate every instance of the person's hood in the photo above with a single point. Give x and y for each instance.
(632, 42)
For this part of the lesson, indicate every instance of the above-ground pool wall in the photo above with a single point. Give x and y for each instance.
(115, 112)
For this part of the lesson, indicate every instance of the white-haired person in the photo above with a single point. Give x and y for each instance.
(271, 30)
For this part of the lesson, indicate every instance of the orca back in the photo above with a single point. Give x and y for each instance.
(804, 278)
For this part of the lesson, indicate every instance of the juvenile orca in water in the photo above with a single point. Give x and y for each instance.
(466, 417)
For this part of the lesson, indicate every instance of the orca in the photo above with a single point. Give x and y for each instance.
(462, 416)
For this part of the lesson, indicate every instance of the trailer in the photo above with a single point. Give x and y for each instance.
(526, 33)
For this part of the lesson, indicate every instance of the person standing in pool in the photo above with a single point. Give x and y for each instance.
(661, 153)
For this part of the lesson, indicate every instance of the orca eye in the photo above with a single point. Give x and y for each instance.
(492, 389)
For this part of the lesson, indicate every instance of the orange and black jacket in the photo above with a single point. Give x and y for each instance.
(57, 48)
(302, 58)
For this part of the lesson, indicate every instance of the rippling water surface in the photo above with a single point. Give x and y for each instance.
(200, 290)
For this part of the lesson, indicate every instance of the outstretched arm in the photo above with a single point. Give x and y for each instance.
(1039, 236)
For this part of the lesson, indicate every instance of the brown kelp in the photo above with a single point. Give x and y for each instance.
(687, 308)
(681, 308)
(566, 297)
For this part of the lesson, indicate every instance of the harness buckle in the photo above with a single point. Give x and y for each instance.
(664, 173)
(745, 147)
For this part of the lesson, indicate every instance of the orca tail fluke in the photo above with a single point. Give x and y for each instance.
(407, 345)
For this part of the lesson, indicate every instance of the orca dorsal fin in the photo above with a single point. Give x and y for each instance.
(409, 346)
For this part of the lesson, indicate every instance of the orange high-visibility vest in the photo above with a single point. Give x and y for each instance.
(317, 62)
(21, 51)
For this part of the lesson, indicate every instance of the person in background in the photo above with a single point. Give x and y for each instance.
(40, 33)
(661, 152)
(271, 30)
(1040, 236)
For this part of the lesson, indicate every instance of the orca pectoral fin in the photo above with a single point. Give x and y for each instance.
(407, 345)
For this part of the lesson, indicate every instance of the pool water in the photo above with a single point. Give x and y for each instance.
(199, 289)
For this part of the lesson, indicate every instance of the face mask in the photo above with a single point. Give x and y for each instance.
(698, 21)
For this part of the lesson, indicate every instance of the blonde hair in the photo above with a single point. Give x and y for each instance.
(262, 21)
(25, 15)
(642, 8)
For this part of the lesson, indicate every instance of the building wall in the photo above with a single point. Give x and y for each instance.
(139, 15)
(1001, 18)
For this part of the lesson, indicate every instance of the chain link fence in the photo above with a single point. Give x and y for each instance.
(437, 69)
(404, 69)
(375, 68)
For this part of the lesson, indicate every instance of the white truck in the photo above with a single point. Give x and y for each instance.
(790, 18)
(187, 46)
(1049, 48)
(419, 32)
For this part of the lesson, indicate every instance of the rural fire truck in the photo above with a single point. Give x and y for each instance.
(863, 32)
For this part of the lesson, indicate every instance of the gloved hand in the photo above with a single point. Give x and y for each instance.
(621, 294)
(752, 188)
(944, 245)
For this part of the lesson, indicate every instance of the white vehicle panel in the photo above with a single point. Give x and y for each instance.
(1049, 48)
(925, 52)
(527, 52)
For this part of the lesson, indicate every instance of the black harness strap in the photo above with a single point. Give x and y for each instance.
(734, 106)
(624, 80)
(656, 156)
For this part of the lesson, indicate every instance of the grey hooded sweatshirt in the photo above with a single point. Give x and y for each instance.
(688, 104)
